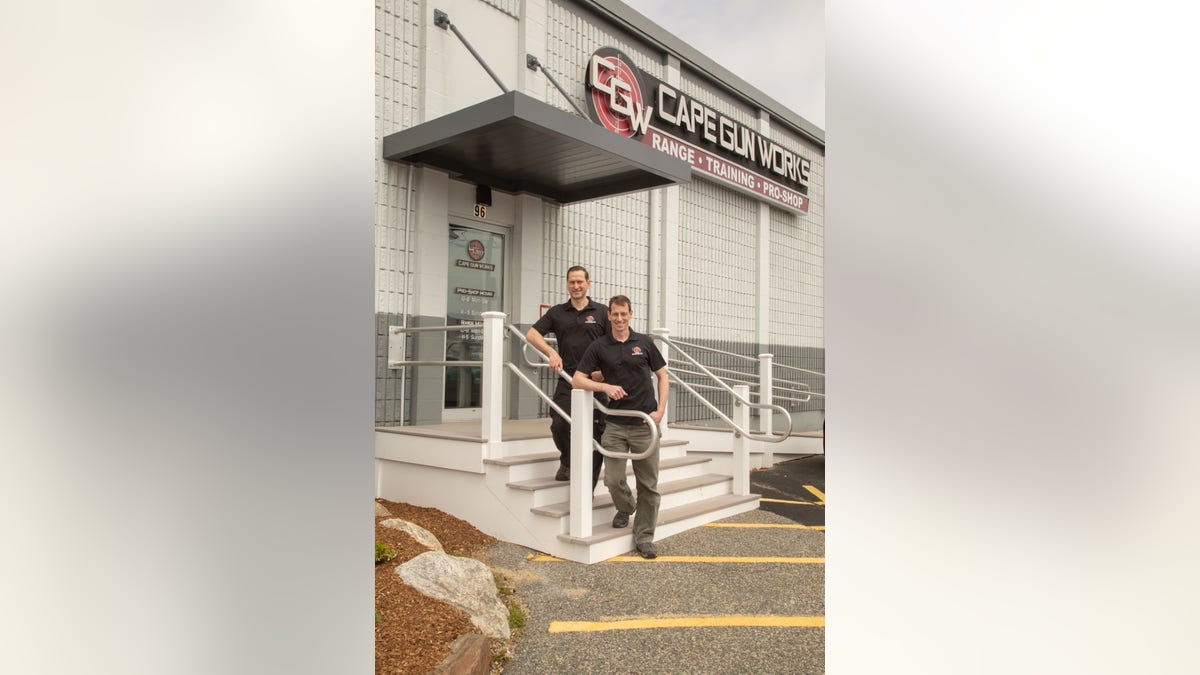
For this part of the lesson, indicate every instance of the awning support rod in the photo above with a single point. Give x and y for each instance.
(532, 63)
(442, 20)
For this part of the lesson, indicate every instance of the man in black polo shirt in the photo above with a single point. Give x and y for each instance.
(626, 359)
(576, 323)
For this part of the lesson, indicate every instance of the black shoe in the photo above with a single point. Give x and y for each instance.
(621, 520)
(564, 473)
(646, 549)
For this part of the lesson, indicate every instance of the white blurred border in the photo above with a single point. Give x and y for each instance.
(1012, 321)
(186, 276)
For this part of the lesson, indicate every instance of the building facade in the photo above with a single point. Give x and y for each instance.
(712, 225)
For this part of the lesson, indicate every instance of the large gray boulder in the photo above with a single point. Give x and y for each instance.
(463, 582)
(422, 535)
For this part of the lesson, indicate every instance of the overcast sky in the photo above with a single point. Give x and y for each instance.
(775, 45)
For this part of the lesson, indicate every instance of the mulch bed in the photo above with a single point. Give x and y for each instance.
(413, 632)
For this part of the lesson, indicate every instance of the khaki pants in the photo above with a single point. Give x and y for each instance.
(635, 438)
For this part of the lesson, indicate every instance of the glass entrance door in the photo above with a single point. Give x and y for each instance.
(476, 285)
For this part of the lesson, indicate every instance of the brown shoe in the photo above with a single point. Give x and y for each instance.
(564, 473)
(647, 549)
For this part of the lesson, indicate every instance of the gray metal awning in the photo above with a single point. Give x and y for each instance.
(515, 143)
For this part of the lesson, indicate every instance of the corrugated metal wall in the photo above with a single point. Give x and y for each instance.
(610, 237)
(718, 239)
(570, 41)
(797, 324)
(397, 106)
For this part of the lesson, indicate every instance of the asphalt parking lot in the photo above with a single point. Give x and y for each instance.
(745, 594)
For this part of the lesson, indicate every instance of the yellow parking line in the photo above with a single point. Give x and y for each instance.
(689, 622)
(788, 501)
(817, 493)
(757, 525)
(696, 559)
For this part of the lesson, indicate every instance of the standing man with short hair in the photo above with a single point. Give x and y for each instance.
(626, 359)
(576, 323)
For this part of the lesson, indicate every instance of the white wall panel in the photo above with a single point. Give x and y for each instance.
(509, 7)
(718, 234)
(397, 106)
(797, 281)
(571, 39)
(610, 237)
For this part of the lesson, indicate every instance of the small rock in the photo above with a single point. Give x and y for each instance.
(422, 535)
(465, 583)
(381, 511)
(470, 654)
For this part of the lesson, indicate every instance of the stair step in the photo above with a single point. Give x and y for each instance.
(605, 531)
(561, 509)
(528, 458)
(542, 483)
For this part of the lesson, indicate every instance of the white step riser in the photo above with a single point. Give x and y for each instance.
(605, 514)
(562, 492)
(546, 468)
(624, 545)
(520, 472)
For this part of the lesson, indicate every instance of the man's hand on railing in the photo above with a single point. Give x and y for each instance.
(555, 362)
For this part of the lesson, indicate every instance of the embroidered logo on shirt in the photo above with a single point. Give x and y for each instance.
(590, 319)
(637, 351)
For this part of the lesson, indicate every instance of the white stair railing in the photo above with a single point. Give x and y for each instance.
(582, 442)
(740, 398)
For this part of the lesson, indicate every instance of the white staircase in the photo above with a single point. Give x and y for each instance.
(514, 496)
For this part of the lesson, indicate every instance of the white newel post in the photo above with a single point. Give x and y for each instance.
(741, 444)
(766, 385)
(581, 463)
(665, 349)
(492, 385)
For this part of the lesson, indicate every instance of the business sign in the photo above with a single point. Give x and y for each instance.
(629, 101)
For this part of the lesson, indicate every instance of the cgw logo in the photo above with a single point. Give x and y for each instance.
(615, 99)
(475, 249)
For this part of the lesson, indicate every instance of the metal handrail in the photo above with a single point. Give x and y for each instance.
(796, 400)
(538, 390)
(738, 400)
(730, 371)
(751, 383)
(711, 349)
(751, 359)
(464, 364)
(802, 370)
(595, 404)
(425, 329)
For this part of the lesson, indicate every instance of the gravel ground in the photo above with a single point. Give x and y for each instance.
(567, 591)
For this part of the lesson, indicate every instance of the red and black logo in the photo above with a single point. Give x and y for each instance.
(590, 319)
(615, 98)
(637, 351)
(475, 249)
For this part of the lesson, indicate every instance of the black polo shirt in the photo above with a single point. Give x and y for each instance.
(629, 365)
(575, 329)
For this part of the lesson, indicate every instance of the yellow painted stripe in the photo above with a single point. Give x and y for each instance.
(787, 526)
(788, 501)
(817, 493)
(689, 622)
(697, 559)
